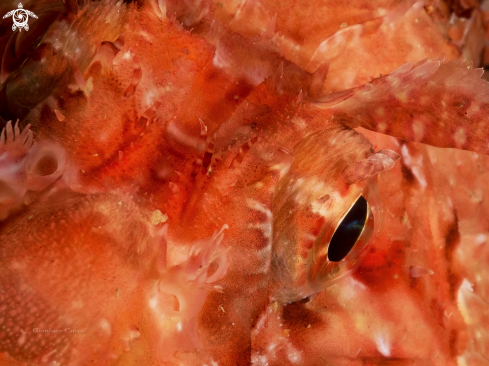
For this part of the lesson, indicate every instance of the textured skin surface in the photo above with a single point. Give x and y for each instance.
(425, 102)
(191, 161)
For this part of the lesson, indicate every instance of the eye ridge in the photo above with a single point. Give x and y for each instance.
(348, 231)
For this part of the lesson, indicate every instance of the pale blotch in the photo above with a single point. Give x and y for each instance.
(150, 97)
(15, 265)
(104, 324)
(380, 12)
(22, 338)
(449, 202)
(395, 81)
(464, 295)
(293, 354)
(383, 344)
(394, 140)
(418, 173)
(472, 111)
(418, 271)
(405, 155)
(418, 129)
(45, 357)
(476, 196)
(462, 361)
(127, 55)
(382, 127)
(313, 185)
(146, 36)
(352, 290)
(460, 137)
(480, 239)
(445, 116)
(403, 98)
(89, 86)
(380, 111)
(257, 359)
(153, 302)
(299, 122)
(259, 206)
(281, 168)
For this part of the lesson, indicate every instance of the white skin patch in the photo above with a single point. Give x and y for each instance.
(465, 295)
(22, 338)
(383, 344)
(480, 239)
(402, 97)
(219, 60)
(281, 168)
(266, 230)
(410, 160)
(153, 302)
(418, 129)
(352, 289)
(150, 97)
(104, 324)
(146, 36)
(394, 140)
(299, 122)
(405, 155)
(460, 137)
(293, 354)
(259, 360)
(418, 173)
(258, 206)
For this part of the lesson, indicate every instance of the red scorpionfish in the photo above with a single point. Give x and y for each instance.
(244, 182)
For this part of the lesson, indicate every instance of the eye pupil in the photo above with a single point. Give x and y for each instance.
(348, 232)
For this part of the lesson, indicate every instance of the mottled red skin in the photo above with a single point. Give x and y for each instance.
(423, 103)
(135, 144)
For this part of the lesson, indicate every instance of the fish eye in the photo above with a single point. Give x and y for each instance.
(340, 248)
(348, 231)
